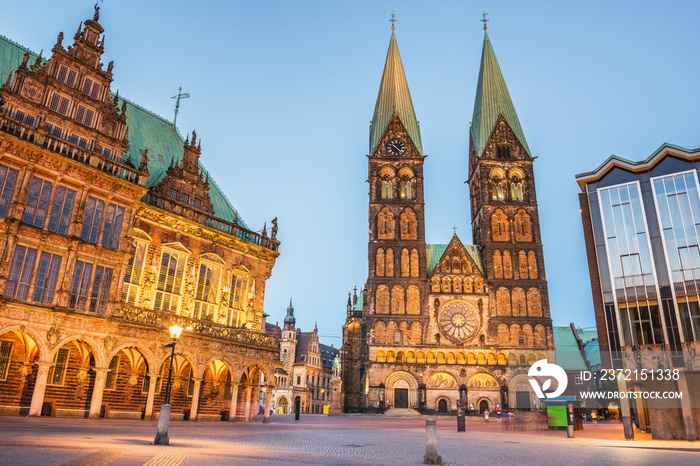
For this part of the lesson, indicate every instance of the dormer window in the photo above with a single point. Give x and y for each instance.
(66, 75)
(503, 152)
(91, 88)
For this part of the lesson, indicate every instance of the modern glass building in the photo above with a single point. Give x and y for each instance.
(641, 224)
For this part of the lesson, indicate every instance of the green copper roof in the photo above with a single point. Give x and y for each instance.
(568, 355)
(492, 100)
(146, 131)
(393, 97)
(358, 305)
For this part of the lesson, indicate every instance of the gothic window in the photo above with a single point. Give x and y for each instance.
(170, 279)
(46, 278)
(37, 202)
(499, 226)
(379, 263)
(497, 182)
(414, 263)
(523, 226)
(503, 151)
(468, 285)
(8, 179)
(111, 379)
(478, 286)
(532, 264)
(382, 299)
(413, 297)
(456, 265)
(457, 285)
(113, 226)
(239, 290)
(406, 191)
(397, 300)
(503, 302)
(389, 262)
(207, 294)
(397, 337)
(534, 302)
(519, 306)
(57, 372)
(516, 185)
(387, 188)
(20, 274)
(92, 220)
(5, 355)
(497, 264)
(385, 224)
(61, 210)
(507, 265)
(408, 224)
(521, 340)
(523, 265)
(134, 271)
(90, 291)
(405, 263)
(435, 284)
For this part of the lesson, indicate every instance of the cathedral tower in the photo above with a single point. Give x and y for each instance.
(505, 219)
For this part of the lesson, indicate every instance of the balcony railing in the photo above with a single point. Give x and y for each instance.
(230, 228)
(50, 142)
(164, 319)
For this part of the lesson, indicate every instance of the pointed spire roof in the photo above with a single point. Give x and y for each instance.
(289, 320)
(393, 98)
(492, 100)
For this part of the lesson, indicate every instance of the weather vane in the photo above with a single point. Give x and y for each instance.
(180, 95)
(484, 20)
(393, 20)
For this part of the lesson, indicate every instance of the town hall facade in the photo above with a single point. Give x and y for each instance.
(440, 323)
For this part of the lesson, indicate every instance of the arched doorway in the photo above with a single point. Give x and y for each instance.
(401, 390)
(282, 405)
(483, 406)
(442, 406)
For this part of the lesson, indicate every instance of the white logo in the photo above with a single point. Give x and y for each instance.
(551, 371)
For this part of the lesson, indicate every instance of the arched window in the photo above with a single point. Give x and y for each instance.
(497, 182)
(516, 185)
(389, 262)
(412, 300)
(382, 299)
(398, 338)
(519, 306)
(414, 262)
(523, 226)
(507, 265)
(379, 263)
(397, 300)
(521, 340)
(387, 188)
(497, 264)
(499, 226)
(409, 225)
(532, 264)
(406, 188)
(405, 263)
(522, 265)
(385, 224)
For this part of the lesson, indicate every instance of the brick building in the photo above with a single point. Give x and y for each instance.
(440, 323)
(110, 231)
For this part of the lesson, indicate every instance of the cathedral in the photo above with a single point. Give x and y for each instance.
(442, 324)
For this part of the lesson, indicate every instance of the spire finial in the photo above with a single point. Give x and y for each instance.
(484, 20)
(393, 20)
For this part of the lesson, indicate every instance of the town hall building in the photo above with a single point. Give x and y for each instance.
(438, 324)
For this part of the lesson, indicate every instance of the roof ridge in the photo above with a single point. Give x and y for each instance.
(18, 45)
(223, 194)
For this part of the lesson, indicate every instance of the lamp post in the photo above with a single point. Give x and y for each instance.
(164, 417)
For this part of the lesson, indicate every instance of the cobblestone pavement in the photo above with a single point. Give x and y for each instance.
(322, 440)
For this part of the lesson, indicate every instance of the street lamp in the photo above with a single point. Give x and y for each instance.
(164, 417)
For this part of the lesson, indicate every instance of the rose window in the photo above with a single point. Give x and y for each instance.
(459, 321)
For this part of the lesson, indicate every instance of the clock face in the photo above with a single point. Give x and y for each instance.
(459, 321)
(396, 147)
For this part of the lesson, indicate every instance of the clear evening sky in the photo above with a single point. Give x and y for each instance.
(282, 93)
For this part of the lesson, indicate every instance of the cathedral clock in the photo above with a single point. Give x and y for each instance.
(459, 321)
(396, 147)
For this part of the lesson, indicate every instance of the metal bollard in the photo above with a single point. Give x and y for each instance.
(569, 431)
(431, 453)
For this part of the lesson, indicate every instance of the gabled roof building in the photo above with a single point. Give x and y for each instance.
(112, 230)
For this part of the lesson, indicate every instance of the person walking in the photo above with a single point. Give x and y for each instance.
(594, 417)
(498, 414)
(486, 416)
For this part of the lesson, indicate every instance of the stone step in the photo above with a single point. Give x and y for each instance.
(401, 412)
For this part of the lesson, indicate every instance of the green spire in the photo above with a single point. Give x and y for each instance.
(393, 97)
(492, 100)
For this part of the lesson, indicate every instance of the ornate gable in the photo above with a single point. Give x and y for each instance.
(456, 271)
(396, 131)
(504, 144)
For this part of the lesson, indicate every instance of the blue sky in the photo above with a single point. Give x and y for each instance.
(282, 93)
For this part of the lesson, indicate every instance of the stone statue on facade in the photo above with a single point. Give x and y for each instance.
(96, 16)
(273, 234)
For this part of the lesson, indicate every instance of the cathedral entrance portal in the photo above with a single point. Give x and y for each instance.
(483, 406)
(442, 406)
(401, 398)
(522, 400)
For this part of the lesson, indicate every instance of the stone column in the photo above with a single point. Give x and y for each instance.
(247, 402)
(152, 382)
(625, 411)
(336, 406)
(97, 392)
(195, 399)
(254, 402)
(686, 408)
(268, 404)
(39, 389)
(234, 402)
